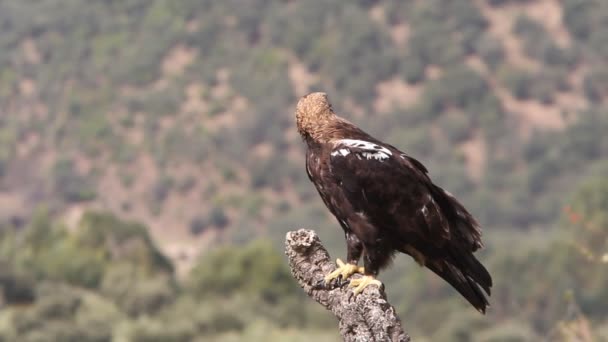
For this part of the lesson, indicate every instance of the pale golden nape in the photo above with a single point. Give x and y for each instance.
(312, 111)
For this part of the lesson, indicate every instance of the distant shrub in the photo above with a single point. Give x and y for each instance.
(283, 207)
(598, 40)
(537, 147)
(396, 11)
(508, 331)
(72, 264)
(155, 330)
(162, 188)
(528, 27)
(595, 84)
(435, 24)
(72, 186)
(255, 269)
(517, 81)
(218, 218)
(416, 141)
(490, 49)
(60, 314)
(459, 86)
(470, 22)
(265, 173)
(63, 304)
(130, 241)
(4, 162)
(540, 45)
(579, 15)
(434, 45)
(229, 174)
(541, 172)
(579, 142)
(413, 69)
(16, 287)
(124, 153)
(147, 297)
(156, 103)
(198, 225)
(541, 86)
(543, 91)
(141, 59)
(554, 55)
(356, 31)
(127, 179)
(186, 184)
(456, 125)
(558, 77)
(263, 74)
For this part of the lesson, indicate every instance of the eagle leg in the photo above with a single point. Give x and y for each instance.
(361, 283)
(343, 271)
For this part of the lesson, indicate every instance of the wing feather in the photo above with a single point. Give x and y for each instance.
(394, 189)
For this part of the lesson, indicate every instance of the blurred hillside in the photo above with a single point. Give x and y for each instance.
(179, 115)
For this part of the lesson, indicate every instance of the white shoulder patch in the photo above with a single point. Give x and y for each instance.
(372, 150)
(342, 152)
(366, 145)
(375, 155)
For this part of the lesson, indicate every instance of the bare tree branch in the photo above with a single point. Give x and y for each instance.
(365, 317)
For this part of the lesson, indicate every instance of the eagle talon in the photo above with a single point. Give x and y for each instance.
(361, 283)
(322, 284)
(342, 273)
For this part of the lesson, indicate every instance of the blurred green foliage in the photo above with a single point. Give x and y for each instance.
(114, 284)
(72, 186)
(235, 290)
(226, 272)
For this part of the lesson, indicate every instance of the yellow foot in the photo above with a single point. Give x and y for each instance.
(344, 271)
(363, 282)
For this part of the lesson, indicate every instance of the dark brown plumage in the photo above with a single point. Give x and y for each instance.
(386, 202)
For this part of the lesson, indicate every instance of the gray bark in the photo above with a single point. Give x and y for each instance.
(365, 317)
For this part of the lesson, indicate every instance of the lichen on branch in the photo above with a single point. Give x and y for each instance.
(365, 317)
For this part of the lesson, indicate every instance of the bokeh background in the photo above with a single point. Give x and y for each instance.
(150, 166)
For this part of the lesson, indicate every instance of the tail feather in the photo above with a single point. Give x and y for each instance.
(474, 269)
(462, 223)
(458, 265)
(463, 283)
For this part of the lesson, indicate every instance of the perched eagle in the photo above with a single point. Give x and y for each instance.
(386, 203)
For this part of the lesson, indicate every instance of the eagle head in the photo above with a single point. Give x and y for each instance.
(313, 112)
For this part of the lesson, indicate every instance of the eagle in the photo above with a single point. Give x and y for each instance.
(386, 203)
